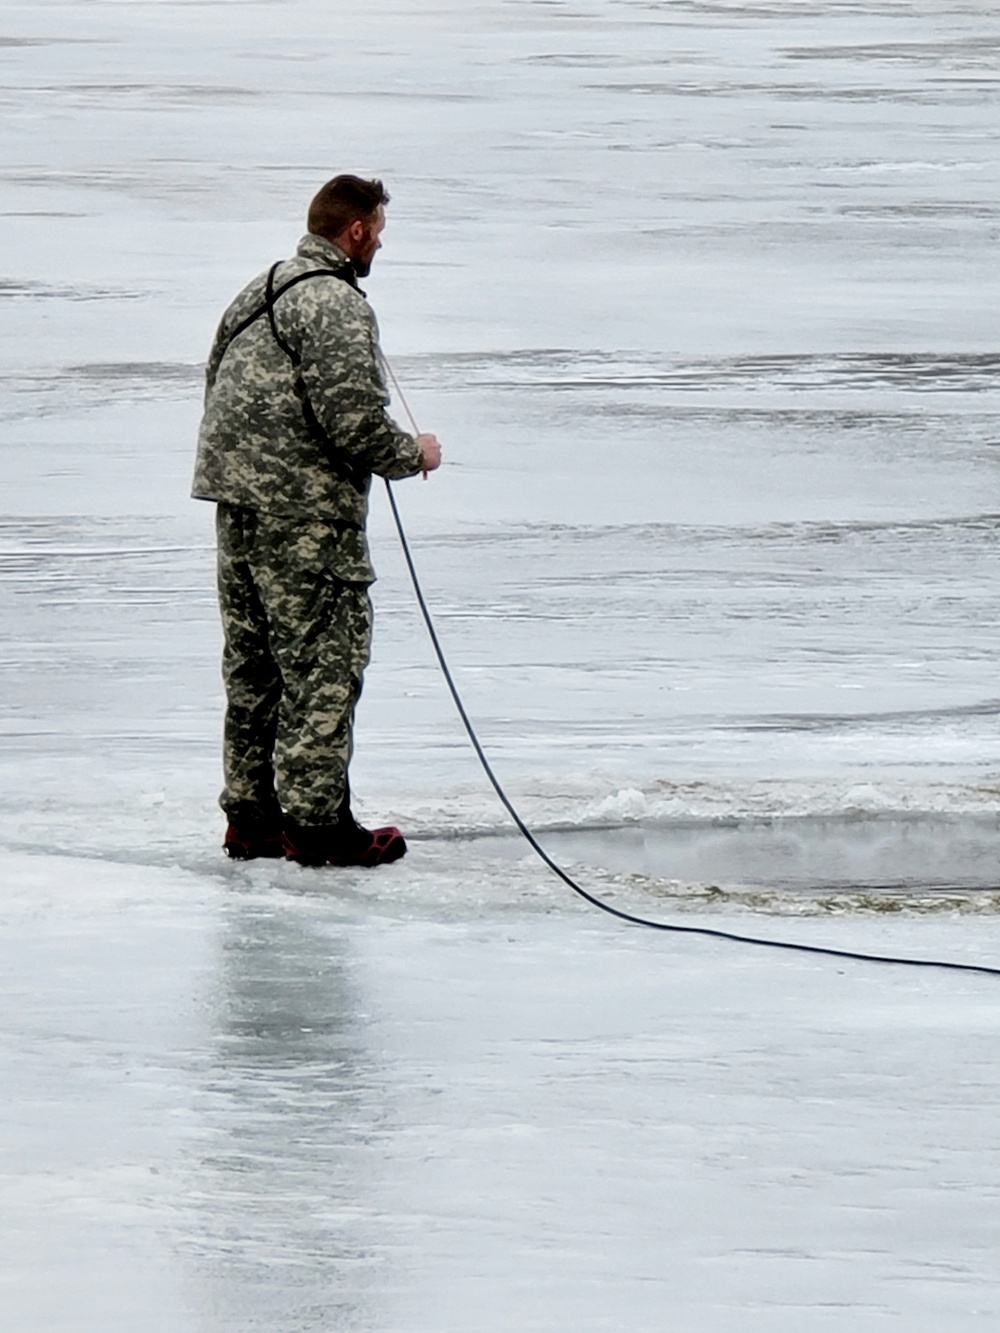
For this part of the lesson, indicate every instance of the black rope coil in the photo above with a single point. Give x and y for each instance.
(568, 880)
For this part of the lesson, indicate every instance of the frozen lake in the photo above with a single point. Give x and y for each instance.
(701, 298)
(235, 1100)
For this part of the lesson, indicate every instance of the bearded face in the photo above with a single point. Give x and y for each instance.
(366, 247)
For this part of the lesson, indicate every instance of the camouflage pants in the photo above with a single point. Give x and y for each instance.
(297, 640)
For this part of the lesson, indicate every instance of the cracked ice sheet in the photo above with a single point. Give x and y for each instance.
(238, 1101)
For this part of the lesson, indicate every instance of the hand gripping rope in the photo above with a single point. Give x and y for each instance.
(543, 855)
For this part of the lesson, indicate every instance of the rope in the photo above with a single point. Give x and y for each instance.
(567, 879)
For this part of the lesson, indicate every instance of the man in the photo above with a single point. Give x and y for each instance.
(295, 424)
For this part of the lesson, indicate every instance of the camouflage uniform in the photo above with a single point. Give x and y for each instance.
(295, 424)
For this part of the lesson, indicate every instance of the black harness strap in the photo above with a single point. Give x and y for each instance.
(270, 296)
(344, 273)
(340, 462)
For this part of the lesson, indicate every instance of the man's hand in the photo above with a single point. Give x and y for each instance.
(431, 451)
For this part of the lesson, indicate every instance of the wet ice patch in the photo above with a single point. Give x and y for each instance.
(28, 289)
(582, 370)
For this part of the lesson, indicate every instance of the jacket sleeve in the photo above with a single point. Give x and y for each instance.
(219, 345)
(343, 379)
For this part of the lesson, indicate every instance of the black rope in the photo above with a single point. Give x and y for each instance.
(583, 893)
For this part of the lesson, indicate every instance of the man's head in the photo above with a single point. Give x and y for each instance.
(350, 212)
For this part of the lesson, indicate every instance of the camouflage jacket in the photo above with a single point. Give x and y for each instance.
(295, 419)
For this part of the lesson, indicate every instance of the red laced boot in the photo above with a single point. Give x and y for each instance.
(240, 846)
(342, 844)
(251, 833)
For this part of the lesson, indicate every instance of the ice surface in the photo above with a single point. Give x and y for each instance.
(236, 1101)
(702, 300)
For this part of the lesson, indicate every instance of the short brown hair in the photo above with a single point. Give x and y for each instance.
(344, 200)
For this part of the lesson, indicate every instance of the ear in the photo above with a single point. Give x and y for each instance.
(356, 230)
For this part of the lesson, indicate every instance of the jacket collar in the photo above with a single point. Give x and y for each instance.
(321, 251)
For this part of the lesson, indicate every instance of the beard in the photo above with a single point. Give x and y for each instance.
(362, 260)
